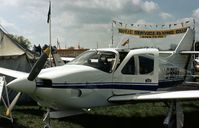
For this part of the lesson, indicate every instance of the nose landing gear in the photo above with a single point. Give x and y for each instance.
(46, 119)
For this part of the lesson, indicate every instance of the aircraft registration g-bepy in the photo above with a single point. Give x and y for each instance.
(110, 76)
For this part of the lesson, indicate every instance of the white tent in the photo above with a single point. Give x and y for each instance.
(13, 56)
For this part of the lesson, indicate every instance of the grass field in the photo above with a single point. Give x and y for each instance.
(140, 115)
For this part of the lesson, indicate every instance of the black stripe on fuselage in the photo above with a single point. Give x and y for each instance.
(112, 85)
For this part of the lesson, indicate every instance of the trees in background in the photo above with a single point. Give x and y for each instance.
(21, 40)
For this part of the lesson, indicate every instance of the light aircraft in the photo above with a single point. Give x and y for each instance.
(111, 76)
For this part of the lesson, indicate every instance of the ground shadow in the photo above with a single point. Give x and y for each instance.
(103, 121)
(5, 123)
(106, 121)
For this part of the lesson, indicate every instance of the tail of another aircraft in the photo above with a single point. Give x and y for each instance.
(185, 44)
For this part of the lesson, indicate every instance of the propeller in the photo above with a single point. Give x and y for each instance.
(39, 65)
(11, 106)
(33, 74)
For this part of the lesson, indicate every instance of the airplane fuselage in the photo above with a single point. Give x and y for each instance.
(83, 83)
(96, 75)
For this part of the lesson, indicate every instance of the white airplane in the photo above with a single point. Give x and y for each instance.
(112, 76)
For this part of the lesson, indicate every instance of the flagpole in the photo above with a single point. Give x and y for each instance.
(50, 44)
(112, 33)
(49, 22)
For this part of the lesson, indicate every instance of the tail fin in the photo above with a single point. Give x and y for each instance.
(186, 44)
(187, 41)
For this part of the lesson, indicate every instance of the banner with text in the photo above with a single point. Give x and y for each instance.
(152, 33)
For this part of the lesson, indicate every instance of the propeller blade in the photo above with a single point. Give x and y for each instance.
(39, 65)
(11, 106)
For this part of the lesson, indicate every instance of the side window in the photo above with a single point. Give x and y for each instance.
(146, 64)
(129, 68)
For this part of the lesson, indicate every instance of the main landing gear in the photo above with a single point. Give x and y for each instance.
(175, 116)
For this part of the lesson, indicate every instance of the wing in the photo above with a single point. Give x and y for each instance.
(13, 73)
(179, 95)
(189, 52)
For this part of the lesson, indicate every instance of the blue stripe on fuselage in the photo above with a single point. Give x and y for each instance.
(112, 85)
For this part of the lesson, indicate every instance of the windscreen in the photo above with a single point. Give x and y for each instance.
(101, 60)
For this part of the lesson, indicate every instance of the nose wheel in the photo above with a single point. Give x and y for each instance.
(46, 119)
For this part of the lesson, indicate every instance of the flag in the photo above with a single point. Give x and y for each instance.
(126, 42)
(49, 12)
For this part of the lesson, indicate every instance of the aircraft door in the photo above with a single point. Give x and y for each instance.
(137, 72)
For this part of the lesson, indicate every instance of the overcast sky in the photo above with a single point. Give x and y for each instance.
(87, 21)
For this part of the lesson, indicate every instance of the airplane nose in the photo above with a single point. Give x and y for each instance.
(22, 85)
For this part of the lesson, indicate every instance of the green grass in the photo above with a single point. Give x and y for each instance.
(140, 115)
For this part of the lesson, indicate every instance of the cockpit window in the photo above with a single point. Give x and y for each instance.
(97, 59)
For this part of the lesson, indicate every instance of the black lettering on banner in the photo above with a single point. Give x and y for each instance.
(152, 33)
